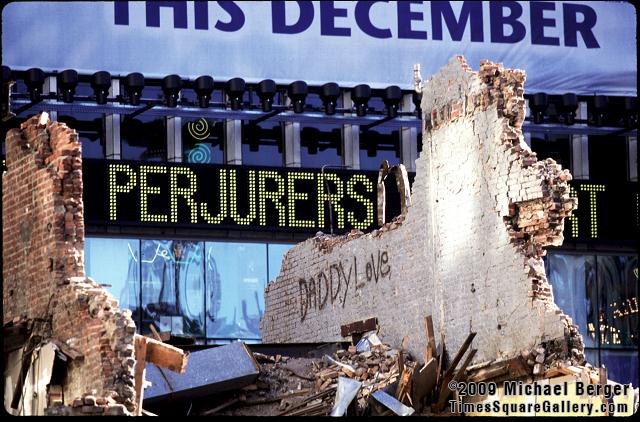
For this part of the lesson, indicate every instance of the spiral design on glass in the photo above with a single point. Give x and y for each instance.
(200, 154)
(199, 129)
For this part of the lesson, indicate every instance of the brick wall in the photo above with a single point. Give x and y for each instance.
(468, 251)
(43, 261)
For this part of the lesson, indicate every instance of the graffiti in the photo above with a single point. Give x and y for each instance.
(331, 283)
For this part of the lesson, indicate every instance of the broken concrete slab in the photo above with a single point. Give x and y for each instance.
(209, 371)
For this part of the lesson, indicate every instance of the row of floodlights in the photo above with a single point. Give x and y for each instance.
(134, 84)
(568, 105)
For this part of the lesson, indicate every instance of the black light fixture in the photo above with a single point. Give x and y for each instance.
(203, 87)
(171, 86)
(329, 94)
(360, 96)
(266, 90)
(538, 104)
(631, 112)
(391, 97)
(101, 82)
(416, 99)
(134, 84)
(67, 82)
(34, 79)
(568, 107)
(298, 91)
(600, 105)
(235, 90)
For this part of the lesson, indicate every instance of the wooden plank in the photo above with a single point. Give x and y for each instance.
(430, 351)
(463, 349)
(359, 327)
(165, 355)
(141, 353)
(404, 385)
(423, 383)
(440, 359)
(445, 390)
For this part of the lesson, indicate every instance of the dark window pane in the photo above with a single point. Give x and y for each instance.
(144, 138)
(203, 141)
(90, 132)
(320, 145)
(622, 365)
(173, 286)
(379, 144)
(618, 287)
(262, 144)
(608, 158)
(574, 290)
(276, 253)
(116, 262)
(556, 147)
(236, 278)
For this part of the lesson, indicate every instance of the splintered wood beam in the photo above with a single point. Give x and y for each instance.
(430, 351)
(440, 360)
(140, 344)
(463, 349)
(445, 390)
(166, 356)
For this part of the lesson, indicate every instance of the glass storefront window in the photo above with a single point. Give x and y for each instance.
(276, 253)
(618, 300)
(116, 262)
(573, 278)
(622, 365)
(236, 278)
(203, 141)
(172, 275)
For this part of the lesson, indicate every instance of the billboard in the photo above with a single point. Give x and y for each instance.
(583, 47)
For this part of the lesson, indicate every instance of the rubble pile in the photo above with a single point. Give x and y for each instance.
(88, 405)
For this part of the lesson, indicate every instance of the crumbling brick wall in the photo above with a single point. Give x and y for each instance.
(43, 261)
(468, 251)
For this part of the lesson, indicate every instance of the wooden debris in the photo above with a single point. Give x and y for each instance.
(430, 350)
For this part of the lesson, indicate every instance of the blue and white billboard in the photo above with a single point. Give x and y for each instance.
(584, 47)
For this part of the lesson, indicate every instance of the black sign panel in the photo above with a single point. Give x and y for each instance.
(241, 197)
(606, 211)
(199, 195)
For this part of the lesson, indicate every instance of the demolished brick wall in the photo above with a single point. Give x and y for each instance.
(469, 250)
(43, 255)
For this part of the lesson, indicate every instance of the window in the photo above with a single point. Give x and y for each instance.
(236, 278)
(320, 144)
(276, 254)
(600, 293)
(144, 137)
(262, 144)
(556, 147)
(211, 290)
(90, 129)
(203, 141)
(172, 275)
(608, 158)
(116, 263)
(379, 144)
